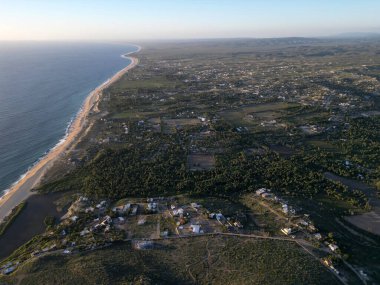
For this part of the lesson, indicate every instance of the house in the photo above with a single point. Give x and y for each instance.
(126, 207)
(84, 232)
(333, 247)
(267, 195)
(196, 229)
(195, 206)
(303, 223)
(141, 221)
(285, 208)
(101, 204)
(134, 210)
(318, 236)
(221, 219)
(144, 244)
(83, 199)
(89, 210)
(152, 207)
(74, 218)
(178, 212)
(106, 220)
(286, 231)
(312, 228)
(260, 191)
(327, 262)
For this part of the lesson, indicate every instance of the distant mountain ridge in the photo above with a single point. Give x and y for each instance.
(360, 35)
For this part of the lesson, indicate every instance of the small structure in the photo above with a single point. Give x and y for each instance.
(327, 262)
(178, 212)
(101, 204)
(84, 232)
(126, 207)
(141, 221)
(195, 206)
(196, 229)
(260, 191)
(89, 210)
(286, 231)
(333, 247)
(152, 207)
(303, 223)
(134, 210)
(221, 219)
(143, 245)
(318, 236)
(106, 220)
(312, 228)
(74, 218)
(267, 195)
(238, 224)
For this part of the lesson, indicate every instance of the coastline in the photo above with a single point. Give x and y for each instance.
(21, 190)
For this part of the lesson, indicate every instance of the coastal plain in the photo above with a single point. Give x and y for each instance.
(224, 162)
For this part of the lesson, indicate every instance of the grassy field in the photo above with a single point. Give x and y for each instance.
(253, 114)
(151, 83)
(200, 162)
(202, 260)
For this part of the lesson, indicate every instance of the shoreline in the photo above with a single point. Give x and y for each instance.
(21, 189)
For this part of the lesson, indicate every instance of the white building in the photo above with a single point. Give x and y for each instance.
(286, 231)
(196, 229)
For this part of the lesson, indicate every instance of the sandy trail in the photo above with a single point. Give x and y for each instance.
(22, 190)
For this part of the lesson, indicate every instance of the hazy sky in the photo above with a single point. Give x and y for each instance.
(143, 19)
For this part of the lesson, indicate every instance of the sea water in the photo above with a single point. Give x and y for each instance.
(42, 87)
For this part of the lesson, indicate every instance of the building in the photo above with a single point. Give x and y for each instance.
(195, 206)
(261, 191)
(318, 236)
(152, 207)
(220, 218)
(196, 229)
(333, 247)
(286, 231)
(178, 212)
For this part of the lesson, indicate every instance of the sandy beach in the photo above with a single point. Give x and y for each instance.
(22, 189)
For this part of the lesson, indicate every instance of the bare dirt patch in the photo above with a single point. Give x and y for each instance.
(199, 162)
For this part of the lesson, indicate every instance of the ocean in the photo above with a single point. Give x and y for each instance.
(42, 87)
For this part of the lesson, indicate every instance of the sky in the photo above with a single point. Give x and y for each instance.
(183, 19)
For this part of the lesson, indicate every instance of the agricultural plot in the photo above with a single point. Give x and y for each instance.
(170, 126)
(199, 162)
(142, 226)
(256, 114)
